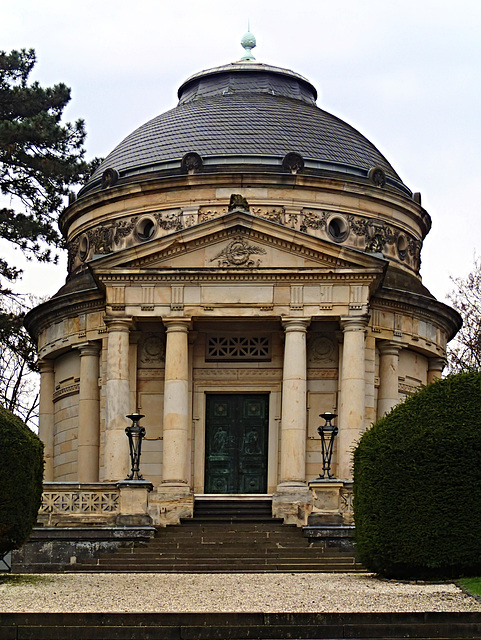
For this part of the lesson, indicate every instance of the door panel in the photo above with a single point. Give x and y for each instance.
(236, 443)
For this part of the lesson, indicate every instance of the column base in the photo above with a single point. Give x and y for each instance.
(292, 502)
(174, 487)
(170, 502)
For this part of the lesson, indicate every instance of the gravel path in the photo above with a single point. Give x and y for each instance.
(157, 593)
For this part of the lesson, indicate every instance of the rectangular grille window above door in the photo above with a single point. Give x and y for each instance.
(235, 348)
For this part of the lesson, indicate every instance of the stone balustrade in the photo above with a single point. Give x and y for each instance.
(88, 504)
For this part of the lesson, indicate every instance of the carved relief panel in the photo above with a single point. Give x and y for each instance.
(322, 351)
(152, 350)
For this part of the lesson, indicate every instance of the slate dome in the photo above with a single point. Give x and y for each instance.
(246, 113)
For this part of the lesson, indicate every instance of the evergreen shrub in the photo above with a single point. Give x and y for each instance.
(21, 476)
(417, 484)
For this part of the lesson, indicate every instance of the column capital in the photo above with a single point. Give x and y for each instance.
(114, 323)
(354, 323)
(436, 364)
(177, 324)
(388, 348)
(46, 366)
(296, 324)
(89, 348)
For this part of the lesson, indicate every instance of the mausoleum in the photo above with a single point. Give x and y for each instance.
(237, 266)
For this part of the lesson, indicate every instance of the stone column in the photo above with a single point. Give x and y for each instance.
(294, 412)
(46, 415)
(352, 406)
(175, 471)
(117, 405)
(435, 369)
(89, 414)
(388, 394)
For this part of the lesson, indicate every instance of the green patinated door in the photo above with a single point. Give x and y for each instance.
(236, 443)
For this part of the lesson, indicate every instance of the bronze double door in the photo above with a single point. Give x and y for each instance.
(236, 443)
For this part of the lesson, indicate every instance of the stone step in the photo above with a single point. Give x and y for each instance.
(229, 536)
(237, 626)
(219, 544)
(188, 568)
(231, 539)
(222, 534)
(232, 549)
(206, 553)
(115, 561)
(233, 509)
(234, 525)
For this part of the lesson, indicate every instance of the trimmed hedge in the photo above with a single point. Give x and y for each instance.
(21, 476)
(417, 484)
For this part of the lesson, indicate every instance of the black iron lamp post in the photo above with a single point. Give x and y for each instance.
(135, 433)
(328, 433)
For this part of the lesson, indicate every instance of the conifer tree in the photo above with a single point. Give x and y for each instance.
(40, 160)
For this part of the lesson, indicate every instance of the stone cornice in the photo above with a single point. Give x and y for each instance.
(437, 313)
(237, 179)
(69, 390)
(239, 275)
(55, 309)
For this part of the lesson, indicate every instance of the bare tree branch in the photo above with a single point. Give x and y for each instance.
(464, 352)
(19, 380)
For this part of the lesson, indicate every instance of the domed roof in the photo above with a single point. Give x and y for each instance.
(245, 113)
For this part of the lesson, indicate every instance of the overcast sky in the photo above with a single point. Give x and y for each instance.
(406, 73)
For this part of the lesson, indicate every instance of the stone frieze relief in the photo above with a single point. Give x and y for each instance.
(369, 235)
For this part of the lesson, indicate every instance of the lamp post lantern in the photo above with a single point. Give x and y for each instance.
(135, 432)
(328, 433)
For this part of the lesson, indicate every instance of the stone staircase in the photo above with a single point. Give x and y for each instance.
(226, 537)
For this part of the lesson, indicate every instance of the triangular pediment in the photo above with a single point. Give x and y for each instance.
(236, 241)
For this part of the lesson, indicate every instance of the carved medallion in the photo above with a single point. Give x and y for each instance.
(238, 254)
(322, 349)
(152, 348)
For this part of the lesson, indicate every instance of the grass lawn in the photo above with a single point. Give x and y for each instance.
(22, 578)
(471, 584)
